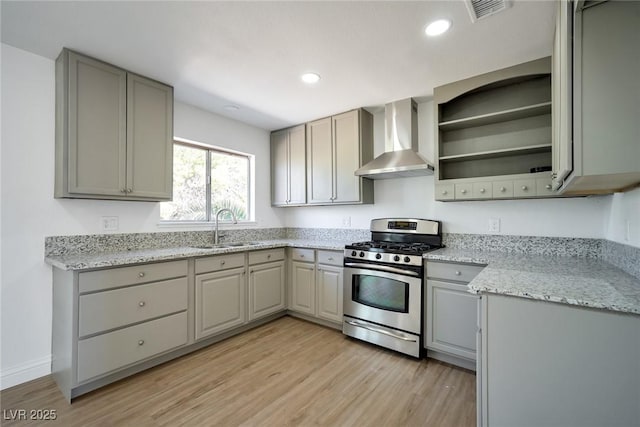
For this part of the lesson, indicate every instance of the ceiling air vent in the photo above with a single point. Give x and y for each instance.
(479, 9)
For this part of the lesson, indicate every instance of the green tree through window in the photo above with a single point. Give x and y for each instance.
(206, 180)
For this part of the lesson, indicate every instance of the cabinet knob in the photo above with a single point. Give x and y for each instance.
(129, 190)
(548, 186)
(330, 258)
(141, 304)
(464, 191)
(302, 256)
(525, 188)
(269, 256)
(502, 189)
(141, 342)
(444, 192)
(482, 190)
(141, 274)
(223, 262)
(458, 273)
(123, 190)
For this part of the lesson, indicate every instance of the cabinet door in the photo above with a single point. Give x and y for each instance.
(561, 148)
(266, 289)
(346, 142)
(149, 138)
(319, 162)
(303, 286)
(451, 319)
(297, 166)
(280, 168)
(97, 127)
(329, 292)
(220, 298)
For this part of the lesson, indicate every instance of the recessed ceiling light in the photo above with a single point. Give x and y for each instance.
(437, 27)
(310, 78)
(231, 107)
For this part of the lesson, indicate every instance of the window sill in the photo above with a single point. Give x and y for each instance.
(205, 224)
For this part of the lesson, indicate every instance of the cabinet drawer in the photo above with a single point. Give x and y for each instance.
(219, 262)
(452, 271)
(306, 255)
(464, 191)
(259, 257)
(123, 276)
(112, 309)
(482, 190)
(544, 187)
(330, 257)
(105, 353)
(524, 187)
(444, 192)
(502, 189)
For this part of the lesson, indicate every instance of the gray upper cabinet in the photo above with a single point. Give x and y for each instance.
(288, 167)
(602, 154)
(336, 147)
(492, 132)
(114, 132)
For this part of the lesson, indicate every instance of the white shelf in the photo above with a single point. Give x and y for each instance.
(530, 149)
(496, 117)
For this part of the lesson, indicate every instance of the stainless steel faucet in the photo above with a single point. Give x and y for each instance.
(215, 233)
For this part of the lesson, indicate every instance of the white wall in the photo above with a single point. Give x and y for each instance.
(29, 212)
(413, 197)
(623, 221)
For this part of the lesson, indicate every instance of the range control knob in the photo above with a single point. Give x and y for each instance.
(354, 253)
(361, 254)
(378, 256)
(407, 259)
(396, 258)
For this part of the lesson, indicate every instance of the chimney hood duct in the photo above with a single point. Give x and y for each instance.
(401, 158)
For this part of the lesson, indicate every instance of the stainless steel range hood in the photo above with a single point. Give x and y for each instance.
(401, 157)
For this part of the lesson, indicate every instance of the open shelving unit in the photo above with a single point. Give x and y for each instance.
(495, 127)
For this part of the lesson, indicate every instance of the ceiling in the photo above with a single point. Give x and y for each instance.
(251, 54)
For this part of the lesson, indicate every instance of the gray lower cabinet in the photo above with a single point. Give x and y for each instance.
(451, 313)
(316, 284)
(220, 284)
(107, 320)
(266, 283)
(543, 363)
(114, 132)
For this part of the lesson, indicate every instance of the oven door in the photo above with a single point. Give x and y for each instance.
(387, 298)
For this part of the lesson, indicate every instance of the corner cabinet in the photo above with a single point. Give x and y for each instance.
(493, 133)
(336, 147)
(288, 167)
(114, 132)
(597, 146)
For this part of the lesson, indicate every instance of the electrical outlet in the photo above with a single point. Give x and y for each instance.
(627, 231)
(109, 223)
(494, 225)
(346, 221)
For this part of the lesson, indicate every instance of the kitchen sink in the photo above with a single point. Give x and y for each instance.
(227, 245)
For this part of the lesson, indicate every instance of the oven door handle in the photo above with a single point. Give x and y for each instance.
(380, 331)
(381, 268)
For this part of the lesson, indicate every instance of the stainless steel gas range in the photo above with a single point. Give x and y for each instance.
(383, 283)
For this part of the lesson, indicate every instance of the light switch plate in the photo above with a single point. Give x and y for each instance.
(494, 225)
(109, 223)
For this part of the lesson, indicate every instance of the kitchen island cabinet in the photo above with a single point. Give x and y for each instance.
(114, 132)
(544, 363)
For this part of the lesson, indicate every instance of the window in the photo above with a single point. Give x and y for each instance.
(206, 180)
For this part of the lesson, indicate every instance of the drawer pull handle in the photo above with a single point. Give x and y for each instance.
(223, 262)
(458, 273)
(464, 191)
(269, 256)
(524, 188)
(330, 258)
(302, 256)
(141, 342)
(141, 304)
(548, 186)
(141, 274)
(482, 190)
(444, 193)
(502, 189)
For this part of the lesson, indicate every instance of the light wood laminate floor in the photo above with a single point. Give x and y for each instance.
(287, 372)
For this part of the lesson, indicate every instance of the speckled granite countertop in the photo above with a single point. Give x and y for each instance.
(585, 282)
(114, 259)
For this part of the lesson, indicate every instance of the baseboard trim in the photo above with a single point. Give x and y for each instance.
(25, 372)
